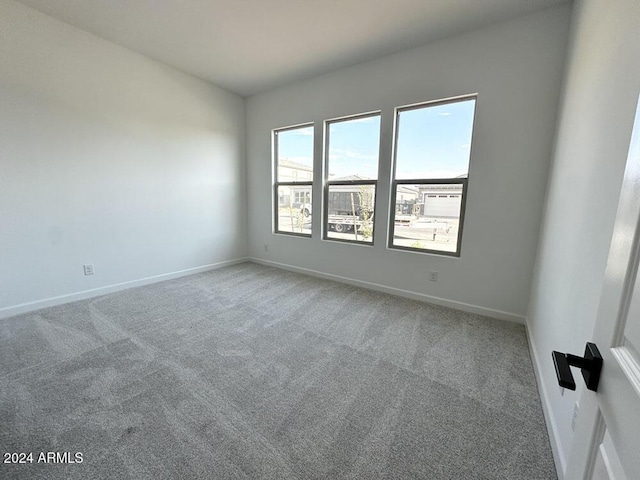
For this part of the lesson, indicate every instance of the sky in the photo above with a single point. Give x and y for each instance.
(433, 142)
(296, 145)
(353, 147)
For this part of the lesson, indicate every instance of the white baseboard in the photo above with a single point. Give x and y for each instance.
(552, 429)
(95, 292)
(465, 307)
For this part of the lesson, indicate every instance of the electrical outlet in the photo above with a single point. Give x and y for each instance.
(88, 269)
(266, 247)
(574, 418)
(433, 276)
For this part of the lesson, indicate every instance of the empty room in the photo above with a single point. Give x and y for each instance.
(304, 239)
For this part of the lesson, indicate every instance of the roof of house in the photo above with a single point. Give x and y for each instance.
(347, 178)
(283, 162)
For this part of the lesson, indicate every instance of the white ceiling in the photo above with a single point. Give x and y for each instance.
(248, 46)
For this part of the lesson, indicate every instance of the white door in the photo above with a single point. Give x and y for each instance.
(607, 437)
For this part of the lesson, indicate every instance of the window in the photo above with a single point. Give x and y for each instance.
(293, 164)
(431, 166)
(351, 173)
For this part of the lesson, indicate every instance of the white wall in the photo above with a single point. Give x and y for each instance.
(107, 157)
(516, 68)
(595, 122)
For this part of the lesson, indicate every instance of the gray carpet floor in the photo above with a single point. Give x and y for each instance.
(254, 372)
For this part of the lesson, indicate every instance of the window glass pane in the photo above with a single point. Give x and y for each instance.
(294, 209)
(435, 142)
(350, 212)
(353, 148)
(427, 216)
(295, 155)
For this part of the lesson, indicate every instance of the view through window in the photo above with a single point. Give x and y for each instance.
(431, 167)
(293, 152)
(352, 151)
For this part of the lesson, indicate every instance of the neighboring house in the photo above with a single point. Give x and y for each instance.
(406, 199)
(434, 200)
(290, 171)
(440, 200)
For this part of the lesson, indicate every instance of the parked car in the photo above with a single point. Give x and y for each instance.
(305, 209)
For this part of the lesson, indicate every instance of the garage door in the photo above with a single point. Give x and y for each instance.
(442, 205)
